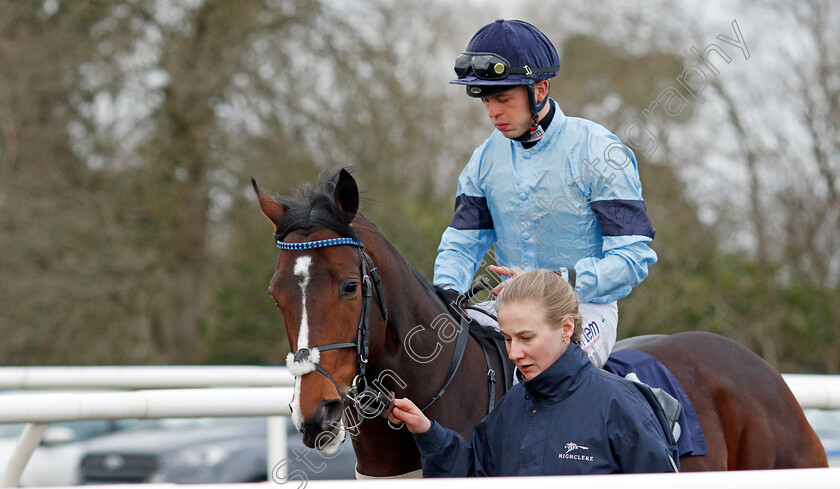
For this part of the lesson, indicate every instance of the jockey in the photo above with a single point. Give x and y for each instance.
(549, 191)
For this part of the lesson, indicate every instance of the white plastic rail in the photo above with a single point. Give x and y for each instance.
(812, 391)
(143, 377)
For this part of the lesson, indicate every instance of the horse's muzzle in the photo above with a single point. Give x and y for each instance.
(324, 425)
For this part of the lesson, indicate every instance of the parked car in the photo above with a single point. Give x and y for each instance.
(55, 462)
(827, 425)
(206, 450)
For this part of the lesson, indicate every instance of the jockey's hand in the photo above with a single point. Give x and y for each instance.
(407, 412)
(507, 272)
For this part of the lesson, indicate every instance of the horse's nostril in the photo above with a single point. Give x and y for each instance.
(324, 424)
(329, 414)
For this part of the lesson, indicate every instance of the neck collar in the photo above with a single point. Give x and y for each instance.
(530, 138)
(560, 379)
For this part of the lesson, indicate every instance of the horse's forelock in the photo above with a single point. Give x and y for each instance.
(311, 210)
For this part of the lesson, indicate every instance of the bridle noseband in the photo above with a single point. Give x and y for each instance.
(306, 360)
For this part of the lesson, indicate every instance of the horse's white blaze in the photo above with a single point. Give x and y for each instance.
(301, 269)
(296, 417)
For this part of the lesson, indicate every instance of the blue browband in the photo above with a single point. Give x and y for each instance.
(308, 245)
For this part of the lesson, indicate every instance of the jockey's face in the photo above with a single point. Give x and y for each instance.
(509, 111)
(532, 343)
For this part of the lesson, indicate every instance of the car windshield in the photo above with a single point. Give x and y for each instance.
(85, 430)
(82, 430)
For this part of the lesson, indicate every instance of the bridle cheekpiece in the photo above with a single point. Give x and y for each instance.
(306, 360)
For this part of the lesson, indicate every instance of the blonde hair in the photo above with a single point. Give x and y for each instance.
(556, 295)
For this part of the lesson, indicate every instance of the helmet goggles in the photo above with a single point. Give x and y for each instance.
(491, 66)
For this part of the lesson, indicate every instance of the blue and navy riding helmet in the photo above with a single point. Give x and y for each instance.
(504, 54)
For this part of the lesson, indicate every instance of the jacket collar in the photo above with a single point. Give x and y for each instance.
(560, 379)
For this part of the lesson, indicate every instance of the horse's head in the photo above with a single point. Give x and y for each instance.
(322, 286)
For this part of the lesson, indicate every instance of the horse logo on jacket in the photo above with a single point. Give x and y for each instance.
(574, 446)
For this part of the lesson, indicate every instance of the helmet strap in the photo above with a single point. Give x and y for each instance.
(536, 107)
(536, 132)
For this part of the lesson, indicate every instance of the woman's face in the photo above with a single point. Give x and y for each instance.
(532, 344)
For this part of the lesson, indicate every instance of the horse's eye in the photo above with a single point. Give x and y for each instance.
(350, 288)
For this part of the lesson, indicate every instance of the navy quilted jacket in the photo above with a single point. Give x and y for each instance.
(573, 418)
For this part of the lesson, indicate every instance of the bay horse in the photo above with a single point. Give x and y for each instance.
(355, 310)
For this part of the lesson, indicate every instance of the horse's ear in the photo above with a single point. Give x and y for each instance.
(273, 210)
(346, 196)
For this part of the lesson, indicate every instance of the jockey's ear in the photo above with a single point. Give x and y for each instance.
(273, 210)
(346, 196)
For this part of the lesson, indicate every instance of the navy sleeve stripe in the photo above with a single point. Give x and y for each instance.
(623, 218)
(471, 213)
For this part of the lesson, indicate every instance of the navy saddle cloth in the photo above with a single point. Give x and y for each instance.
(626, 363)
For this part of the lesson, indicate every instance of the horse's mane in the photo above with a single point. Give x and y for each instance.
(313, 208)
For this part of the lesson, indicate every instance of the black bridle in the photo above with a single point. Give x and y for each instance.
(359, 387)
(375, 403)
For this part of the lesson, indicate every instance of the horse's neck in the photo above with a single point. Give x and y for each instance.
(401, 366)
(409, 302)
(415, 313)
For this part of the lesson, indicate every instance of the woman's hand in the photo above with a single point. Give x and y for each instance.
(407, 412)
(507, 272)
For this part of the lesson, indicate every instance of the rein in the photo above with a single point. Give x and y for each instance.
(306, 360)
